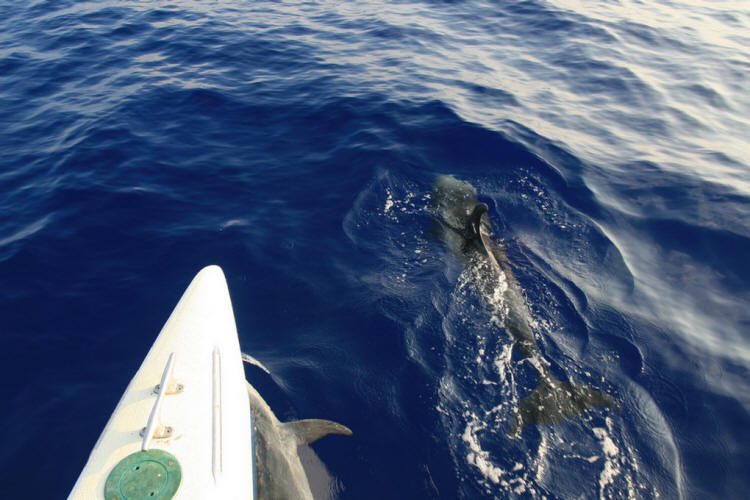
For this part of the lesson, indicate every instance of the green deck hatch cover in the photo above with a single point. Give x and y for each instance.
(144, 475)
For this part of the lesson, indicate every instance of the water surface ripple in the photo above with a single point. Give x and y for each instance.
(295, 145)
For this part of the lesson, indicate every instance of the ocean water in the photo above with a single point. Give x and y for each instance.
(295, 145)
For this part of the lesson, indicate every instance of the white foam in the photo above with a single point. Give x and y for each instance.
(608, 446)
(611, 469)
(520, 487)
(388, 202)
(478, 457)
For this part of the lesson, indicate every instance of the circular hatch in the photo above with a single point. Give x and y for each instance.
(144, 475)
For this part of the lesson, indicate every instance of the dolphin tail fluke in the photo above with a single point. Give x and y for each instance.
(310, 430)
(554, 401)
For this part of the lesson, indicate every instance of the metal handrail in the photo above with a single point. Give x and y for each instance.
(155, 417)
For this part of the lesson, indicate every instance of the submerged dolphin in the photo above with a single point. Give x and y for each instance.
(278, 468)
(466, 230)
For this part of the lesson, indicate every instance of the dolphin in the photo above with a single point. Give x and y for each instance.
(464, 228)
(278, 468)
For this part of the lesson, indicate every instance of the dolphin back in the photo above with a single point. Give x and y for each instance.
(467, 232)
(453, 201)
(279, 472)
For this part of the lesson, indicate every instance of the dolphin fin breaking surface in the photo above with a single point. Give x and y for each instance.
(252, 361)
(278, 468)
(467, 232)
(310, 430)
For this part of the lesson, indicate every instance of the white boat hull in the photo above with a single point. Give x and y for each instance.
(207, 424)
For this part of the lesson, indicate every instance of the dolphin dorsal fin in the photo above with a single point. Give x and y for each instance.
(310, 430)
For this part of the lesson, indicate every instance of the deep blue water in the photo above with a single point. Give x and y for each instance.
(295, 144)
